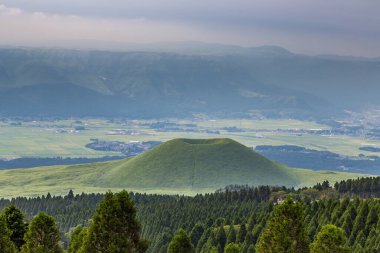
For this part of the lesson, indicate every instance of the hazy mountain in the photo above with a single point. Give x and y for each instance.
(227, 80)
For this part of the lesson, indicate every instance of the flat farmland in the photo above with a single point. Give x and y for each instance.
(66, 138)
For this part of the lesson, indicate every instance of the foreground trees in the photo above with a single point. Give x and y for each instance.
(42, 236)
(210, 218)
(6, 244)
(181, 243)
(76, 240)
(330, 239)
(114, 227)
(232, 248)
(16, 224)
(286, 230)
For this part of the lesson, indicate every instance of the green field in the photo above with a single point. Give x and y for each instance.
(43, 139)
(176, 167)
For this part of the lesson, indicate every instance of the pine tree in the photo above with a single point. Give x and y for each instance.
(221, 237)
(203, 240)
(251, 249)
(232, 248)
(285, 231)
(77, 239)
(42, 236)
(15, 222)
(6, 244)
(242, 233)
(114, 227)
(196, 233)
(330, 239)
(231, 238)
(180, 243)
(256, 232)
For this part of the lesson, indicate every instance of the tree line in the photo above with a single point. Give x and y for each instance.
(235, 218)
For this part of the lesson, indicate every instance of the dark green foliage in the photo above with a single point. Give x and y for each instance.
(330, 239)
(231, 238)
(286, 231)
(114, 227)
(42, 236)
(181, 243)
(16, 223)
(77, 239)
(364, 187)
(221, 237)
(196, 233)
(241, 234)
(6, 244)
(161, 216)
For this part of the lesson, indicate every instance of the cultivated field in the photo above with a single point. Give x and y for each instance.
(59, 138)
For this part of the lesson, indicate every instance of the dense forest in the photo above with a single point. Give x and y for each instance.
(239, 218)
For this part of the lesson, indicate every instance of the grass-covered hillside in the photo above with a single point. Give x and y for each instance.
(184, 166)
(198, 164)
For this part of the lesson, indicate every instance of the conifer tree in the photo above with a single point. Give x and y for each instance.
(180, 243)
(196, 233)
(251, 249)
(285, 231)
(330, 239)
(16, 224)
(6, 244)
(242, 233)
(231, 238)
(221, 237)
(42, 236)
(203, 240)
(232, 248)
(114, 227)
(77, 239)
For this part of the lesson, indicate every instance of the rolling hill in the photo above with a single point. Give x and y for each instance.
(227, 80)
(184, 166)
(198, 164)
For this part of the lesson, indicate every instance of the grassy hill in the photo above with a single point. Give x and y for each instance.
(184, 166)
(197, 164)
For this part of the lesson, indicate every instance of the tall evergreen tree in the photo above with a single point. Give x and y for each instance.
(15, 222)
(42, 236)
(231, 238)
(77, 239)
(221, 237)
(180, 243)
(232, 248)
(241, 234)
(114, 228)
(196, 233)
(330, 239)
(285, 231)
(6, 244)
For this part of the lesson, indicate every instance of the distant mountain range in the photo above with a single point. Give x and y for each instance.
(180, 79)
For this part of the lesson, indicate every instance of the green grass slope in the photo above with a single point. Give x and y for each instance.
(198, 164)
(180, 166)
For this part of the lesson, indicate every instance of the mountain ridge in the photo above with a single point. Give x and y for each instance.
(273, 82)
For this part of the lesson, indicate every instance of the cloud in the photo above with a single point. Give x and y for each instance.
(9, 11)
(308, 26)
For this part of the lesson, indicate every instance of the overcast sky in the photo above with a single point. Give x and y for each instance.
(346, 27)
